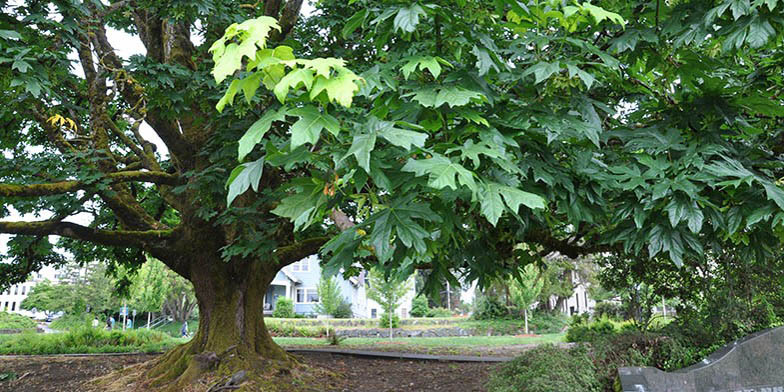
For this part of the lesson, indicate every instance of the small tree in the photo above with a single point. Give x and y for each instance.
(388, 292)
(45, 297)
(329, 296)
(419, 306)
(525, 288)
(150, 288)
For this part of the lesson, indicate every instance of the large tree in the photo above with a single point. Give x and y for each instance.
(644, 127)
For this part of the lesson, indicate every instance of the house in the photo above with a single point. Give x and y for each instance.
(11, 299)
(579, 302)
(299, 282)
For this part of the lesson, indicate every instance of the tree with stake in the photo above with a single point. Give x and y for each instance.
(388, 291)
(430, 135)
(525, 288)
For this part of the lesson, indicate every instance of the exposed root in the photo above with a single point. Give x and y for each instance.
(229, 375)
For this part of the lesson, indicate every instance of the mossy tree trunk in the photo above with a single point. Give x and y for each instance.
(231, 335)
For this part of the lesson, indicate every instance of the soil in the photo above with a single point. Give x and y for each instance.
(68, 374)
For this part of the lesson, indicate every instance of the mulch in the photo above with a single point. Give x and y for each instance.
(67, 374)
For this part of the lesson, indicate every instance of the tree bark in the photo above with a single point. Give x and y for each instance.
(231, 335)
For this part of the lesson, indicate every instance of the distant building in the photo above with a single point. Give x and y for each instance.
(299, 282)
(11, 299)
(579, 302)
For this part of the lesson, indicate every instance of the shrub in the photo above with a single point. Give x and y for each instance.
(637, 349)
(547, 368)
(71, 321)
(580, 331)
(419, 307)
(608, 309)
(15, 321)
(542, 321)
(86, 340)
(284, 308)
(439, 312)
(343, 310)
(490, 308)
(384, 321)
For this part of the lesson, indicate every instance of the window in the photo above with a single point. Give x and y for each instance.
(312, 296)
(373, 313)
(307, 296)
(16, 290)
(302, 265)
(13, 306)
(23, 289)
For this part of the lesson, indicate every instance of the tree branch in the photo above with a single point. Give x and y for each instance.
(121, 238)
(56, 188)
(298, 251)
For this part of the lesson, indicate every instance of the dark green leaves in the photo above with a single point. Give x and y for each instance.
(407, 18)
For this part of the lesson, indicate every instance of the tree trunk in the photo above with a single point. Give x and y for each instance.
(525, 315)
(231, 335)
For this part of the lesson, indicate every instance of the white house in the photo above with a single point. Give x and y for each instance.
(579, 302)
(299, 282)
(11, 299)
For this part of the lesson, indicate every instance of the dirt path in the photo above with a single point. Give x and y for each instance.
(66, 374)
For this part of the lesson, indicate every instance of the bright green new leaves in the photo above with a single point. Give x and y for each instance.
(244, 176)
(441, 172)
(450, 95)
(430, 63)
(326, 75)
(256, 132)
(308, 128)
(492, 207)
(407, 18)
(251, 36)
(299, 77)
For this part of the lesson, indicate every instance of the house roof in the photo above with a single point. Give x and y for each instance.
(291, 277)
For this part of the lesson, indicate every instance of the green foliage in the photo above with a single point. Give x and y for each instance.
(547, 322)
(83, 288)
(388, 291)
(72, 321)
(284, 308)
(343, 310)
(609, 310)
(547, 368)
(15, 321)
(439, 312)
(419, 306)
(385, 321)
(490, 308)
(588, 332)
(86, 340)
(330, 296)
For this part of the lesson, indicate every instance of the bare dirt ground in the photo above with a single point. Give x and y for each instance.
(68, 374)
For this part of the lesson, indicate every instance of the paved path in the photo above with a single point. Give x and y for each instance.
(399, 355)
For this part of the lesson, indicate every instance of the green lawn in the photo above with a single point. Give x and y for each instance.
(452, 341)
(173, 328)
(459, 345)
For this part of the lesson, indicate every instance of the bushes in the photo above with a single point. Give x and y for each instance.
(490, 308)
(15, 321)
(609, 310)
(75, 321)
(547, 368)
(343, 310)
(384, 321)
(544, 322)
(290, 329)
(284, 308)
(419, 307)
(86, 340)
(439, 312)
(581, 331)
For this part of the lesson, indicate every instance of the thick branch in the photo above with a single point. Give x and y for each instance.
(13, 190)
(121, 238)
(298, 250)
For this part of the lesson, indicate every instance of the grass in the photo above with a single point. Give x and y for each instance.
(173, 328)
(456, 341)
(87, 341)
(15, 321)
